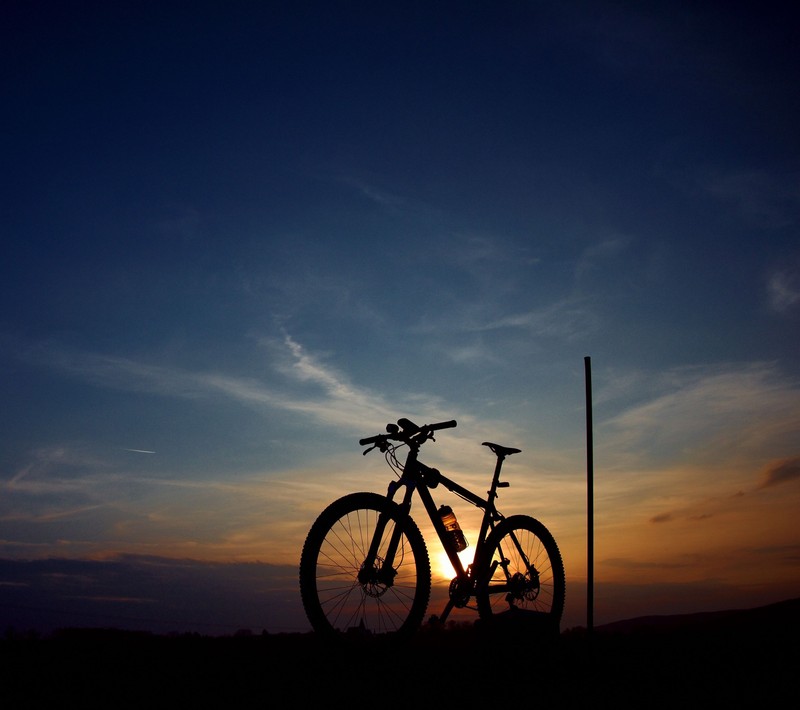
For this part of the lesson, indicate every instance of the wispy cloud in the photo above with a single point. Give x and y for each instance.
(779, 472)
(375, 194)
(474, 353)
(594, 257)
(564, 320)
(492, 262)
(33, 477)
(337, 401)
(783, 289)
(701, 413)
(760, 197)
(303, 383)
(127, 374)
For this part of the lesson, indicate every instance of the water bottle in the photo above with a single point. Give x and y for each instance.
(452, 527)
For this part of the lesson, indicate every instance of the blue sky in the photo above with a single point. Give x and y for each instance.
(237, 237)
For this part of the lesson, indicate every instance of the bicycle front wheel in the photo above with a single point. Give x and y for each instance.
(521, 574)
(341, 594)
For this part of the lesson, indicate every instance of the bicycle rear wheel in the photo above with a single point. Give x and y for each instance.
(521, 574)
(339, 595)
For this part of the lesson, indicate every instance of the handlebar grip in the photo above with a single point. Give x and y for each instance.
(371, 439)
(442, 425)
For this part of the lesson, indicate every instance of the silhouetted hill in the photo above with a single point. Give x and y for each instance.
(729, 657)
(773, 618)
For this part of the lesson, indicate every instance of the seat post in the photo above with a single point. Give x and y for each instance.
(500, 458)
(492, 492)
(501, 452)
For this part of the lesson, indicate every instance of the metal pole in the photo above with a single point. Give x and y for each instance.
(589, 500)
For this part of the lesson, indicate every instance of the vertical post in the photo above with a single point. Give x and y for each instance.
(589, 500)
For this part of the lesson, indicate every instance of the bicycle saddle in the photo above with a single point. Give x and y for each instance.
(498, 450)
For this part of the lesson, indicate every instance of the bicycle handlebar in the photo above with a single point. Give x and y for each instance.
(409, 429)
(442, 425)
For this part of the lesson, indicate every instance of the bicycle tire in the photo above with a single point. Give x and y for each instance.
(512, 589)
(335, 601)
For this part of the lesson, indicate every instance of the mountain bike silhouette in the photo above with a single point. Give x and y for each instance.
(365, 568)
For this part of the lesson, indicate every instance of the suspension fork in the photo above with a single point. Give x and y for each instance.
(369, 569)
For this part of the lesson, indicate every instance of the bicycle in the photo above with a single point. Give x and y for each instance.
(365, 569)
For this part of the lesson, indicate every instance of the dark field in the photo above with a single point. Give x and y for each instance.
(735, 658)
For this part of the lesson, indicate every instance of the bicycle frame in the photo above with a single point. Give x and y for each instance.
(416, 476)
(365, 566)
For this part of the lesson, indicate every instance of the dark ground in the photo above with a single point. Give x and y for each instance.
(735, 658)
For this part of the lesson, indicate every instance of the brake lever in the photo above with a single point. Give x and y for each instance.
(428, 436)
(382, 445)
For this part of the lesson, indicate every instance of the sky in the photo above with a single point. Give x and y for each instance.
(239, 236)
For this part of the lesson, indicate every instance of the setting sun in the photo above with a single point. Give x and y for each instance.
(442, 568)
